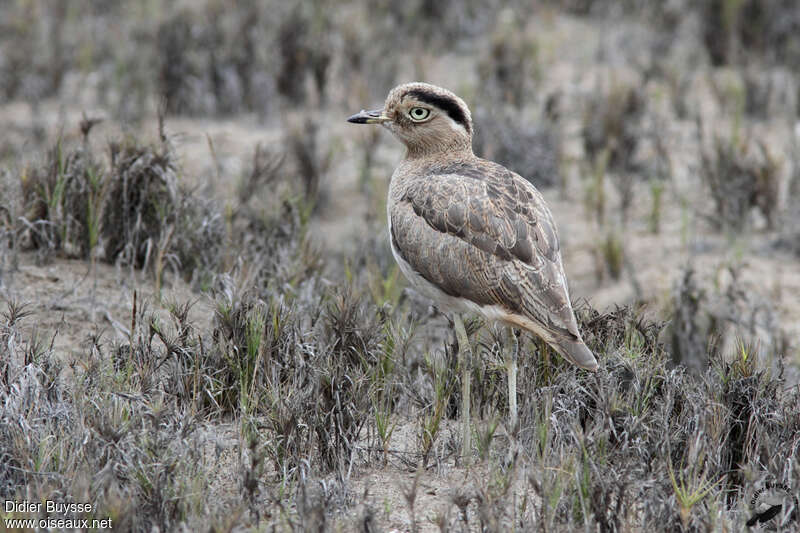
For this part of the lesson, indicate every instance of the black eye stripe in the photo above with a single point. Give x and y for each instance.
(445, 103)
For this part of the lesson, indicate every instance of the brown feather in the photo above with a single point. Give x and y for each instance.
(489, 238)
(469, 233)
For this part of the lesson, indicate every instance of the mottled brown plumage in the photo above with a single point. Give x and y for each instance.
(470, 233)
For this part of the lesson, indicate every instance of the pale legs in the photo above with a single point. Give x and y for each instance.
(465, 355)
(512, 356)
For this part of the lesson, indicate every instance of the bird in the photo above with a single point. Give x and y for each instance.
(472, 235)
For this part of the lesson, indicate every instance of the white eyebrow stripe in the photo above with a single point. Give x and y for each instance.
(456, 126)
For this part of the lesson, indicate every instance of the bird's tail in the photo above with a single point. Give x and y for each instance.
(577, 353)
(567, 343)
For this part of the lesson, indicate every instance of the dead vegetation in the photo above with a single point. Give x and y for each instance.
(294, 376)
(317, 378)
(305, 377)
(741, 175)
(128, 210)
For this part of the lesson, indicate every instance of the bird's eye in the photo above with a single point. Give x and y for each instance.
(419, 114)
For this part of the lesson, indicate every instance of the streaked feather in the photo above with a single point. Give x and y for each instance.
(481, 232)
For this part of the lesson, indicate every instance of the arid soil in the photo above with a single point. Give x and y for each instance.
(750, 284)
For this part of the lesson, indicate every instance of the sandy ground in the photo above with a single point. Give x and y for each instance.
(69, 303)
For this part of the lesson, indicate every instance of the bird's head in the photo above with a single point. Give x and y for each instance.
(428, 119)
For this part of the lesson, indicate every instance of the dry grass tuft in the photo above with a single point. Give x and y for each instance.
(741, 175)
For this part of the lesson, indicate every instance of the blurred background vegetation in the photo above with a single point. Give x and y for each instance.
(202, 325)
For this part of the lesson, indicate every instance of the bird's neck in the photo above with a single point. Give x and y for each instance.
(412, 167)
(435, 148)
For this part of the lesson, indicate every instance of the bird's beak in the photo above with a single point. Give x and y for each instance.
(369, 117)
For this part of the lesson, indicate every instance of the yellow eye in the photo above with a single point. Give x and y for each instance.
(419, 114)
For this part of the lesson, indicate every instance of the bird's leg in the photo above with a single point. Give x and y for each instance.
(465, 356)
(512, 356)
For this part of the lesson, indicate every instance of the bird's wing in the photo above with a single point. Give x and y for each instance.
(485, 234)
